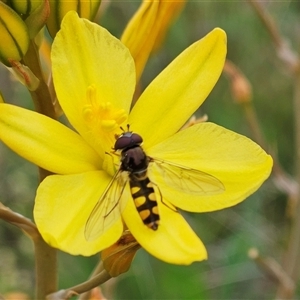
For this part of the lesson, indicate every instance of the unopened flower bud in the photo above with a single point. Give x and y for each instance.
(58, 8)
(25, 7)
(34, 13)
(38, 17)
(241, 89)
(14, 35)
(147, 29)
(240, 86)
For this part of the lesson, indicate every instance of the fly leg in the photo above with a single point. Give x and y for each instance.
(164, 202)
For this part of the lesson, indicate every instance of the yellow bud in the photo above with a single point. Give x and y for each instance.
(38, 17)
(147, 29)
(34, 13)
(58, 9)
(14, 35)
(25, 7)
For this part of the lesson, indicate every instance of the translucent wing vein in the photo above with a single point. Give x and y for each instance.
(107, 210)
(184, 179)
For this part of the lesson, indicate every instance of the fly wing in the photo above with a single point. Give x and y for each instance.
(185, 179)
(107, 209)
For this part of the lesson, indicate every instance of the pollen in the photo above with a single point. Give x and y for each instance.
(101, 115)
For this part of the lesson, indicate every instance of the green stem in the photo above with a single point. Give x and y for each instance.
(41, 96)
(291, 263)
(98, 279)
(46, 264)
(99, 268)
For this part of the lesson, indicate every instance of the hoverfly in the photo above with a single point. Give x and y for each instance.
(134, 169)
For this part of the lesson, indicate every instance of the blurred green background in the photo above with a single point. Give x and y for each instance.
(260, 221)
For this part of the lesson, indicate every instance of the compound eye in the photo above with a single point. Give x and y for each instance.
(136, 139)
(122, 142)
(127, 140)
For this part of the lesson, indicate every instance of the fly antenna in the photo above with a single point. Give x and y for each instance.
(128, 128)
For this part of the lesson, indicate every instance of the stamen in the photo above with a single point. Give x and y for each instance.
(109, 125)
(101, 115)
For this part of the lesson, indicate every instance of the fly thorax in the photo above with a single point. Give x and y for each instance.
(134, 159)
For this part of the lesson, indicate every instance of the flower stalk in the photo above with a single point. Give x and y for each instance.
(46, 268)
(291, 258)
(41, 96)
(46, 256)
(81, 288)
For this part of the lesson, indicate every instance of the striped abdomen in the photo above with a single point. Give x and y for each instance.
(144, 198)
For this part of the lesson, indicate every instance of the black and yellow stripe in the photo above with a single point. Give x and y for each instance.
(144, 198)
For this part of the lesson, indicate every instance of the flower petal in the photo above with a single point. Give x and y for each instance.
(45, 142)
(175, 94)
(62, 207)
(239, 163)
(173, 242)
(84, 55)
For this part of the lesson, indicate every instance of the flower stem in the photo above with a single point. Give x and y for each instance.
(272, 268)
(99, 268)
(18, 220)
(291, 261)
(45, 256)
(41, 96)
(91, 283)
(46, 266)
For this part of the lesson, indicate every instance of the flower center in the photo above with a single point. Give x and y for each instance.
(103, 121)
(102, 116)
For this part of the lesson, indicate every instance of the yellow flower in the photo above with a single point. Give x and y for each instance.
(94, 77)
